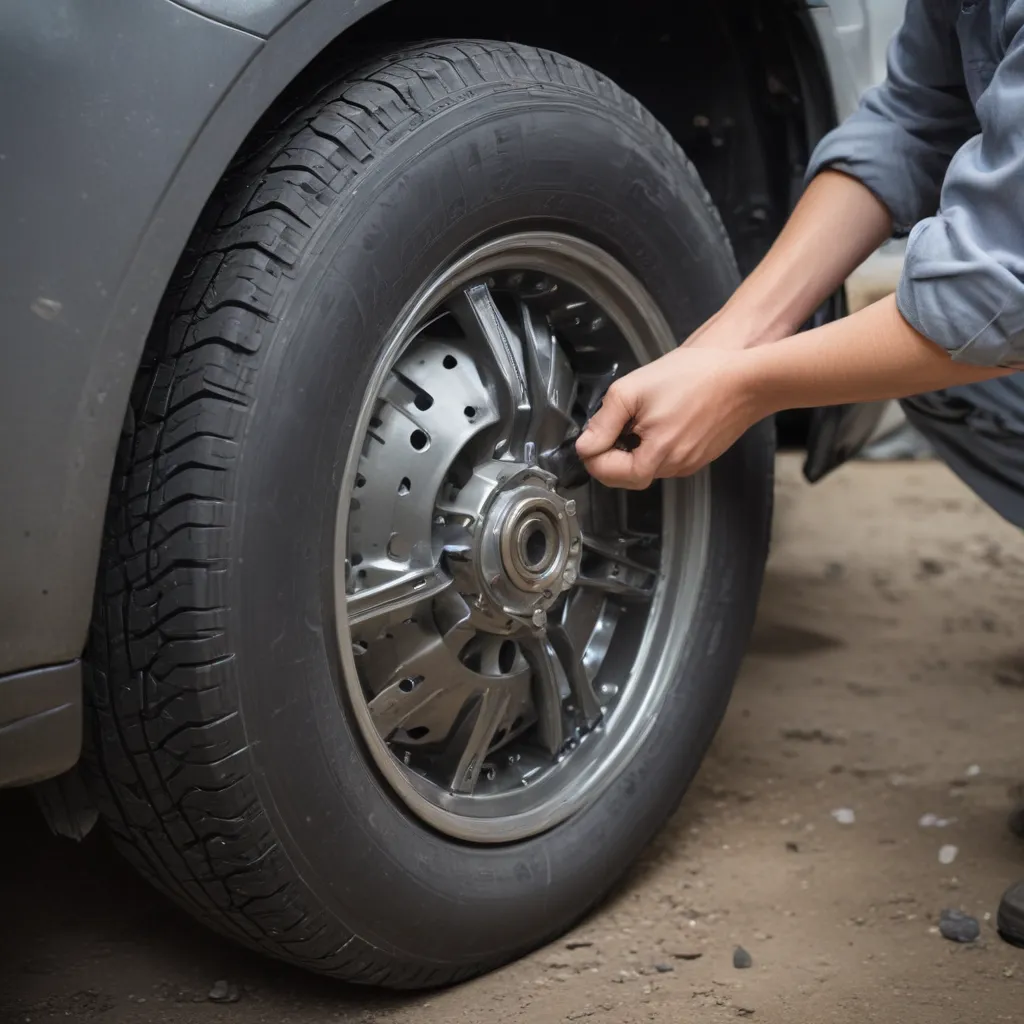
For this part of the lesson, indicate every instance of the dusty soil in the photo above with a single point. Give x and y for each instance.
(886, 679)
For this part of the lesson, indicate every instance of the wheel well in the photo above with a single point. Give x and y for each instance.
(742, 86)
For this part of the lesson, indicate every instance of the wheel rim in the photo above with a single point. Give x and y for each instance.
(506, 645)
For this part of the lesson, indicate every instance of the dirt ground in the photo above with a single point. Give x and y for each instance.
(886, 679)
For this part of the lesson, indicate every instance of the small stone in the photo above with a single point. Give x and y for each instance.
(578, 944)
(687, 955)
(1015, 822)
(664, 968)
(745, 1011)
(972, 771)
(223, 992)
(792, 847)
(844, 815)
(741, 959)
(46, 309)
(927, 820)
(957, 926)
(947, 854)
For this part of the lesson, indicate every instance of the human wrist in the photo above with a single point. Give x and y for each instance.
(750, 385)
(748, 323)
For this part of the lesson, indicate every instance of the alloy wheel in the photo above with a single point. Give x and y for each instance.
(505, 641)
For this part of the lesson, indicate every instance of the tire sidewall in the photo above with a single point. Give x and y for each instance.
(517, 158)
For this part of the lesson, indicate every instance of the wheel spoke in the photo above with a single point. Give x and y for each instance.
(380, 606)
(580, 687)
(474, 736)
(552, 382)
(616, 573)
(479, 317)
(550, 691)
(590, 619)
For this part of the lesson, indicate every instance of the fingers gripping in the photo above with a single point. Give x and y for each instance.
(604, 427)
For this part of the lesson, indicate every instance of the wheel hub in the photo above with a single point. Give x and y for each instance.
(525, 550)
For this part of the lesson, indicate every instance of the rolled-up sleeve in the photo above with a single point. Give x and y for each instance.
(901, 139)
(963, 280)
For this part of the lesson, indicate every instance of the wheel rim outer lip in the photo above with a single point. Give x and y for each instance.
(518, 251)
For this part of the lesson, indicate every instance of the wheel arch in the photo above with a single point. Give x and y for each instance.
(762, 48)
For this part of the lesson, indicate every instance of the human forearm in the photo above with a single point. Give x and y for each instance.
(835, 226)
(690, 405)
(874, 354)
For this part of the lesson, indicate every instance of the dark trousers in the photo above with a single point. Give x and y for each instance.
(978, 431)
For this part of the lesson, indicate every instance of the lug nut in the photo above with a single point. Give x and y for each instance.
(540, 617)
(570, 507)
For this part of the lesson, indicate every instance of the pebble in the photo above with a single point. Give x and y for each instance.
(947, 854)
(957, 926)
(664, 968)
(972, 771)
(844, 815)
(741, 959)
(1016, 821)
(934, 821)
(223, 992)
(792, 847)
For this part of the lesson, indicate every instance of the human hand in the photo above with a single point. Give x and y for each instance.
(686, 408)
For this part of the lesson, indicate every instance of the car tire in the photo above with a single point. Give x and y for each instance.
(222, 746)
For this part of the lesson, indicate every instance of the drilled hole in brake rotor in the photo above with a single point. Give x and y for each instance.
(506, 657)
(418, 439)
(410, 684)
(449, 362)
(405, 486)
(423, 401)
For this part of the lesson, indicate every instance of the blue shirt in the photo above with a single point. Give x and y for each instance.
(941, 144)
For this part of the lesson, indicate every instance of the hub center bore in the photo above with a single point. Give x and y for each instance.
(535, 538)
(534, 547)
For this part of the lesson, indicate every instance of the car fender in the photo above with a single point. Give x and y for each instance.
(106, 161)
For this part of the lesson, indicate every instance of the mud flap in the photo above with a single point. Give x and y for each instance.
(838, 434)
